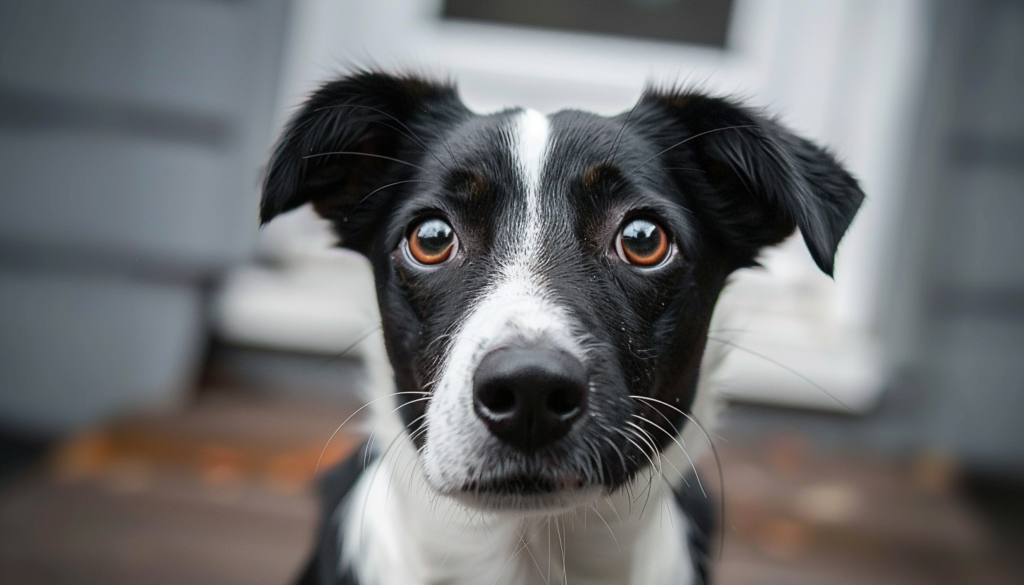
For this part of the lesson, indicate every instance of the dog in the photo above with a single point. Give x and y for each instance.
(546, 284)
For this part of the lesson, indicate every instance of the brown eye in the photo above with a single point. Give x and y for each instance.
(643, 243)
(432, 241)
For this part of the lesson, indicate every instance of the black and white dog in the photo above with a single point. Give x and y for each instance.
(546, 285)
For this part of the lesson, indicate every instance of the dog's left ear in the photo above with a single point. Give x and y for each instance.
(764, 180)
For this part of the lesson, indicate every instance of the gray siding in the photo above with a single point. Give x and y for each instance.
(131, 138)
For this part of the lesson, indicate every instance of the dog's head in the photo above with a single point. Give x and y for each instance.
(547, 282)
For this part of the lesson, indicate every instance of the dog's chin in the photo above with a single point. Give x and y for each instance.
(520, 491)
(512, 498)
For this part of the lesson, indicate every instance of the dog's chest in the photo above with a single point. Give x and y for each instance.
(396, 534)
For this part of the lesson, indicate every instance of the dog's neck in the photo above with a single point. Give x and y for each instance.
(396, 531)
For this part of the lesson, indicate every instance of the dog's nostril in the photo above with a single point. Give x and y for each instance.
(529, 398)
(565, 401)
(497, 399)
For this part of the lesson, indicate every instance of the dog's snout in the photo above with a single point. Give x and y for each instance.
(529, 398)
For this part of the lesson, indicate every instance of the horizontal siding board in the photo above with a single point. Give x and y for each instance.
(154, 54)
(978, 382)
(978, 239)
(991, 75)
(107, 192)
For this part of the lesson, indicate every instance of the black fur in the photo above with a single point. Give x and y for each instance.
(699, 509)
(335, 486)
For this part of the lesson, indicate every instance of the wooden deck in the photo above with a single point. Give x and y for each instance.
(222, 494)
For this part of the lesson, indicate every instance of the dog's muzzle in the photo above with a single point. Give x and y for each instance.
(529, 398)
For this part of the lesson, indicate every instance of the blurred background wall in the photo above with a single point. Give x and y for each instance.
(958, 270)
(177, 371)
(132, 135)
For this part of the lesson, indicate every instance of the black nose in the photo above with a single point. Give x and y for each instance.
(529, 398)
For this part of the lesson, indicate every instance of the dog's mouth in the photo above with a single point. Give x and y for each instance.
(524, 485)
(548, 490)
(527, 493)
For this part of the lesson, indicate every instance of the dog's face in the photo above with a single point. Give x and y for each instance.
(546, 282)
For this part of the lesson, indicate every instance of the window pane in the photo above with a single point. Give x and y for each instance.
(700, 22)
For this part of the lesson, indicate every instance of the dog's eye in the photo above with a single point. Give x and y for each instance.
(432, 241)
(642, 242)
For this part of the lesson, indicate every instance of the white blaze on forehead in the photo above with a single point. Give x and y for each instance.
(531, 136)
(515, 307)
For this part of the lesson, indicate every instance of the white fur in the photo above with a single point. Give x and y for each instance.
(397, 531)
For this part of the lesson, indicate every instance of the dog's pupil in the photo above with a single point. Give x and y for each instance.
(434, 236)
(641, 237)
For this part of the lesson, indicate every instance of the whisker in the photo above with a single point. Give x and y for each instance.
(671, 522)
(371, 155)
(465, 525)
(391, 481)
(614, 509)
(369, 441)
(419, 451)
(373, 479)
(615, 143)
(728, 330)
(784, 367)
(695, 136)
(647, 499)
(645, 437)
(547, 581)
(650, 482)
(718, 464)
(526, 545)
(367, 196)
(393, 394)
(606, 525)
(641, 450)
(362, 337)
(695, 474)
(515, 552)
(684, 169)
(622, 458)
(595, 457)
(638, 447)
(558, 541)
(671, 436)
(410, 135)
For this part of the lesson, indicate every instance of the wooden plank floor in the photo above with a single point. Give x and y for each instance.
(222, 494)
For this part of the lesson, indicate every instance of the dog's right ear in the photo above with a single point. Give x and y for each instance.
(355, 135)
